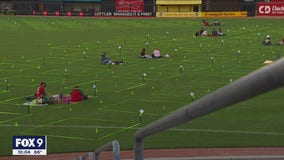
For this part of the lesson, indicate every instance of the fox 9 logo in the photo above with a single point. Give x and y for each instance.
(29, 145)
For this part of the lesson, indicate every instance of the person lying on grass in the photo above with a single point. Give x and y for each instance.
(107, 60)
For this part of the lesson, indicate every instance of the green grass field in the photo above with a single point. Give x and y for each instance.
(36, 49)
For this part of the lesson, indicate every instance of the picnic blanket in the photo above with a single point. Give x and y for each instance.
(65, 99)
(33, 104)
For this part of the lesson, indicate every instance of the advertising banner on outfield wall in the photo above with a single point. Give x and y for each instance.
(129, 5)
(270, 9)
(177, 14)
(224, 14)
(95, 14)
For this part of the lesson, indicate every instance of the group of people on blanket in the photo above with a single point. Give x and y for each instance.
(41, 97)
(219, 32)
(204, 32)
(215, 23)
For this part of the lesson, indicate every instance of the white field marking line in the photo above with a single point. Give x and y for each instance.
(160, 101)
(140, 85)
(121, 102)
(227, 131)
(157, 94)
(9, 64)
(8, 100)
(66, 126)
(198, 69)
(151, 114)
(173, 129)
(169, 77)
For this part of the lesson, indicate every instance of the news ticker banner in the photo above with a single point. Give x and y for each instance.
(29, 145)
(96, 14)
(270, 9)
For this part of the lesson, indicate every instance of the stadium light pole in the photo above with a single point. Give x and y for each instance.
(258, 82)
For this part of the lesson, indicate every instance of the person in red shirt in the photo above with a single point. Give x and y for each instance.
(41, 96)
(41, 90)
(205, 22)
(77, 95)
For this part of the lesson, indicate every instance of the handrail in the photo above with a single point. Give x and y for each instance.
(114, 145)
(263, 80)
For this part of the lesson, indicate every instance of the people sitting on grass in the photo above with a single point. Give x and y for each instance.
(217, 23)
(214, 32)
(220, 32)
(41, 90)
(202, 32)
(42, 98)
(205, 33)
(266, 40)
(107, 60)
(77, 95)
(205, 22)
(143, 54)
(156, 53)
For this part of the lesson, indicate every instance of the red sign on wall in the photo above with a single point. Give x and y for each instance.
(129, 5)
(270, 9)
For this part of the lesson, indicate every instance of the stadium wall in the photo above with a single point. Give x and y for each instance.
(146, 8)
(141, 8)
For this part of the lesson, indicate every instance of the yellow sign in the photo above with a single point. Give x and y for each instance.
(223, 14)
(177, 14)
(167, 2)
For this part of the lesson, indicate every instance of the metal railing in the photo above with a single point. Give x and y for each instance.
(114, 145)
(261, 81)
